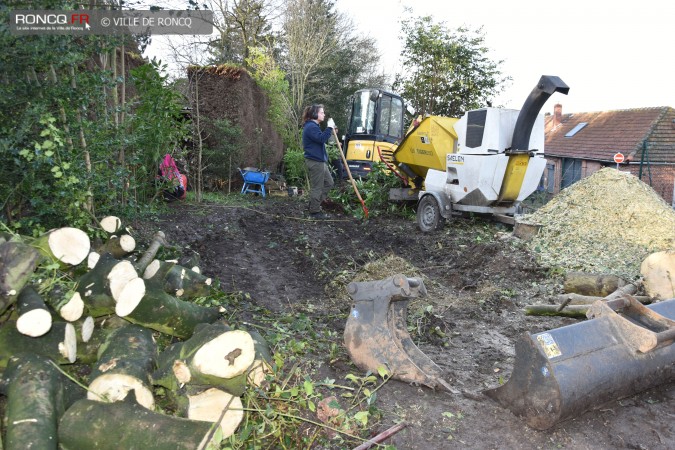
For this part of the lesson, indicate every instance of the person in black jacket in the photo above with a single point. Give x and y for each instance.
(316, 157)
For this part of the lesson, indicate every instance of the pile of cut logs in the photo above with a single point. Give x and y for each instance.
(109, 318)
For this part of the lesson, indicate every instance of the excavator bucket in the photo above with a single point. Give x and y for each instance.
(623, 349)
(376, 333)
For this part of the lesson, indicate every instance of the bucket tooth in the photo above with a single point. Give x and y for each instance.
(561, 373)
(376, 331)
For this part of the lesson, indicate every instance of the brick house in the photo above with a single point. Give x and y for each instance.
(581, 143)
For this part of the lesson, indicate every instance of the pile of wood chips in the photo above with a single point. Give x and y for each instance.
(608, 222)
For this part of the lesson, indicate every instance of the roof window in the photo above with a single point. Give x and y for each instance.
(576, 129)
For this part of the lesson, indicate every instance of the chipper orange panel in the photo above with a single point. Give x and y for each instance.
(559, 374)
(376, 333)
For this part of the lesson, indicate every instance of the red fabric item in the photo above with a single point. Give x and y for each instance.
(184, 181)
(170, 170)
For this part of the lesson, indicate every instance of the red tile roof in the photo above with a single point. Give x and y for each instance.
(611, 132)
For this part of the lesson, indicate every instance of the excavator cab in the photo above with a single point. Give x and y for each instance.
(375, 120)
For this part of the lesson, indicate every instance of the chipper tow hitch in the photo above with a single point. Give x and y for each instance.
(376, 332)
(623, 349)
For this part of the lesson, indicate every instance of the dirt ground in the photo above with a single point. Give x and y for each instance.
(478, 277)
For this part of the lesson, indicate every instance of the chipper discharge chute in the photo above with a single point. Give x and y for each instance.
(623, 349)
(376, 333)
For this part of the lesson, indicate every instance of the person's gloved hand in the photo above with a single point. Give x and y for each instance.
(331, 123)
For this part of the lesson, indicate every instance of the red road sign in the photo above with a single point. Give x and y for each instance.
(618, 158)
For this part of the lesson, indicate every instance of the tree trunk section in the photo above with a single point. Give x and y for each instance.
(68, 305)
(111, 224)
(216, 406)
(68, 245)
(162, 312)
(34, 318)
(191, 261)
(38, 395)
(90, 424)
(19, 261)
(658, 271)
(126, 360)
(118, 246)
(576, 299)
(119, 277)
(599, 285)
(576, 311)
(88, 352)
(177, 280)
(59, 343)
(214, 356)
(158, 240)
(262, 365)
(101, 285)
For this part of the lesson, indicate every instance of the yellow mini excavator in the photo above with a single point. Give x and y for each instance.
(487, 161)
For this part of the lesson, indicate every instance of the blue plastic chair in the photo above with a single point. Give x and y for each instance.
(254, 181)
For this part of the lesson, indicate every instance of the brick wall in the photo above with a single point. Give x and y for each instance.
(662, 179)
(662, 176)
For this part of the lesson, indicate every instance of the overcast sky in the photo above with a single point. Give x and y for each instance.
(612, 55)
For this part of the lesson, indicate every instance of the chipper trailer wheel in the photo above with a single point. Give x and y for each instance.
(429, 216)
(376, 332)
(558, 374)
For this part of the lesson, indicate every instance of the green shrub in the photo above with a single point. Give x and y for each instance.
(295, 171)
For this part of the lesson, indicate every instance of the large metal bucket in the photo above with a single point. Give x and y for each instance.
(561, 373)
(376, 332)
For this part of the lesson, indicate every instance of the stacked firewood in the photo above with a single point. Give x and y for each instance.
(118, 304)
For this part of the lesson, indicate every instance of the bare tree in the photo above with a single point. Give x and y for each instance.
(239, 25)
(309, 28)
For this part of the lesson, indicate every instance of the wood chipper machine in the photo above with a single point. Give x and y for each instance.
(487, 161)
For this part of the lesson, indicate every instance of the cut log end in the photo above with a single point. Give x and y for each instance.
(120, 276)
(74, 309)
(658, 270)
(68, 348)
(129, 297)
(258, 371)
(92, 259)
(127, 243)
(34, 323)
(226, 356)
(69, 245)
(111, 224)
(115, 387)
(152, 269)
(209, 406)
(87, 330)
(182, 372)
